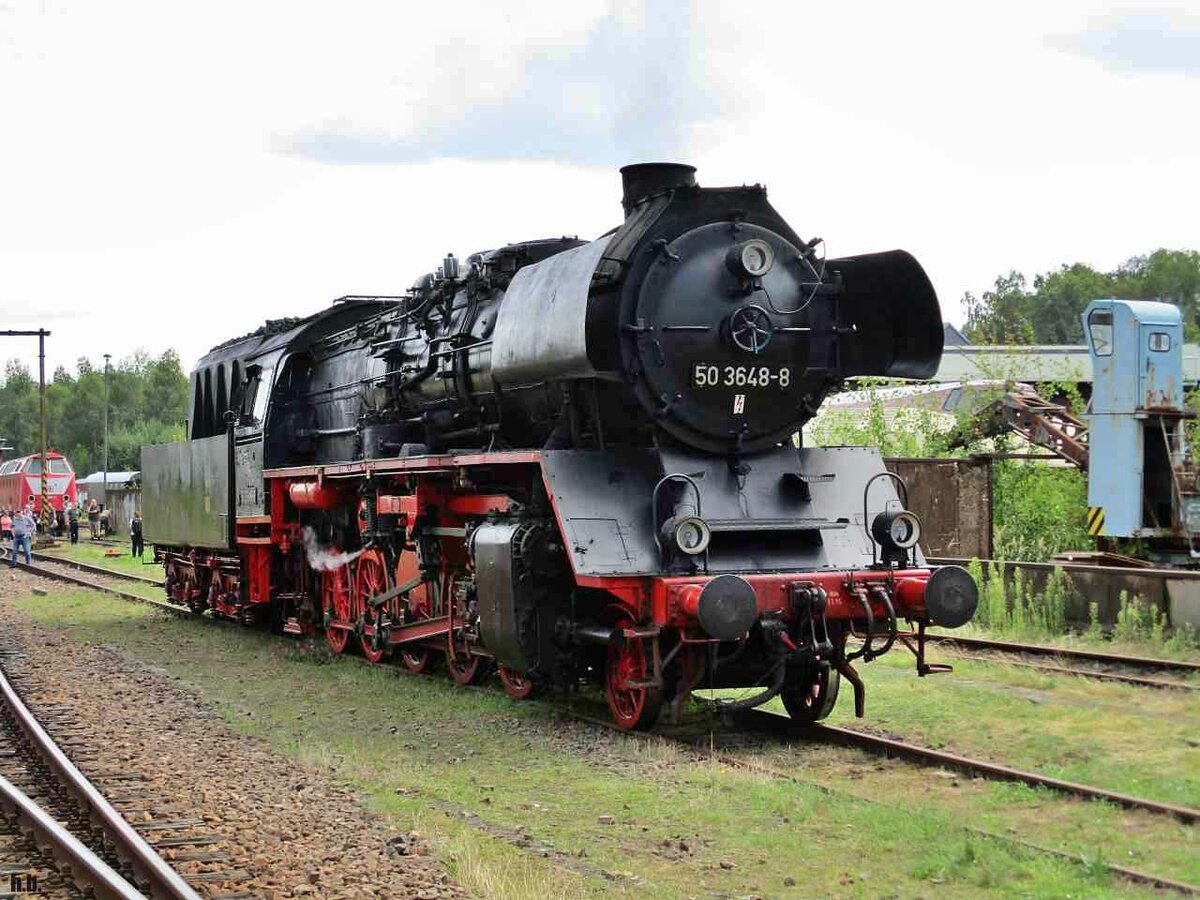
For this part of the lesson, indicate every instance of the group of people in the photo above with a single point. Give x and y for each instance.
(21, 525)
(96, 519)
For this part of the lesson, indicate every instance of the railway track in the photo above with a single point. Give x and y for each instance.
(96, 570)
(56, 570)
(761, 719)
(65, 819)
(780, 726)
(1008, 653)
(777, 723)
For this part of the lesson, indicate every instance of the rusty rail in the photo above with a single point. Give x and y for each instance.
(104, 589)
(160, 880)
(889, 747)
(1134, 876)
(1114, 659)
(96, 570)
(84, 865)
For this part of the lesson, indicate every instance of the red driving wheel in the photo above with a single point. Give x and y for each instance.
(370, 580)
(633, 705)
(416, 658)
(335, 601)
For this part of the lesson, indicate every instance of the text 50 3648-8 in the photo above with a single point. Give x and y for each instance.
(708, 375)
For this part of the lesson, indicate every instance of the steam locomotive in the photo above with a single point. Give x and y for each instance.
(574, 459)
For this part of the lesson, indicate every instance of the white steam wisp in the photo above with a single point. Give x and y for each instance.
(323, 559)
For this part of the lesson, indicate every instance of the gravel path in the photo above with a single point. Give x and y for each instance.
(254, 822)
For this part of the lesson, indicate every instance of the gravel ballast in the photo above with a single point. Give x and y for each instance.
(263, 826)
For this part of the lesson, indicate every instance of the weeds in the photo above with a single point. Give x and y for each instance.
(1138, 620)
(1014, 605)
(1095, 630)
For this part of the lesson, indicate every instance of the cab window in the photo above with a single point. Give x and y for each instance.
(260, 400)
(257, 388)
(59, 467)
(1100, 330)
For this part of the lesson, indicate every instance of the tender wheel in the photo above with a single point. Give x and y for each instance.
(370, 580)
(199, 589)
(518, 685)
(633, 707)
(335, 601)
(810, 693)
(179, 584)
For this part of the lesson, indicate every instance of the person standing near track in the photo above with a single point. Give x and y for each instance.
(5, 524)
(93, 514)
(73, 521)
(135, 534)
(23, 527)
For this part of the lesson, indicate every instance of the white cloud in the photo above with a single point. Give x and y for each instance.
(630, 85)
(1133, 41)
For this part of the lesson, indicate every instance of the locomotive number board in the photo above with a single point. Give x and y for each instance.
(705, 375)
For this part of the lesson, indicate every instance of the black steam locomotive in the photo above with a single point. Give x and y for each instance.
(567, 458)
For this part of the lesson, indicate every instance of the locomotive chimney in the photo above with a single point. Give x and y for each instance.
(640, 180)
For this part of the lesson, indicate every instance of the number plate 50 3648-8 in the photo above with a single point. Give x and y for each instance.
(707, 375)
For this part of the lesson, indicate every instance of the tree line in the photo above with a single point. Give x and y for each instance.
(147, 404)
(1049, 313)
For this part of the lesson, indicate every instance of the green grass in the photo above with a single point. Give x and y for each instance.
(1124, 738)
(468, 768)
(1089, 641)
(96, 554)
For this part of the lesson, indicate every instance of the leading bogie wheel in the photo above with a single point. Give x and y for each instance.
(335, 603)
(633, 702)
(810, 693)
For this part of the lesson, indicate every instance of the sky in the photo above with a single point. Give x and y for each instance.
(172, 174)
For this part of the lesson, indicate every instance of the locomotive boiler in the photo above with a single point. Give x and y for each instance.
(574, 459)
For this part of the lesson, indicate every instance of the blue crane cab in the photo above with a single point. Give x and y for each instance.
(1141, 482)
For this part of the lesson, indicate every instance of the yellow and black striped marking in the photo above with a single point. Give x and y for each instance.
(1095, 520)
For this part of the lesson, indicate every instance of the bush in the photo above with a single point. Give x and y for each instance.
(1039, 510)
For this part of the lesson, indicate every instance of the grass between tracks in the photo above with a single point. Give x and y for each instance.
(474, 771)
(1134, 740)
(96, 554)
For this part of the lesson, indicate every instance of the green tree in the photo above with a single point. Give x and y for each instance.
(1001, 316)
(165, 390)
(147, 405)
(1050, 313)
(1059, 300)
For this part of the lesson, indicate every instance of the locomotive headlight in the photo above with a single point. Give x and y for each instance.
(897, 530)
(689, 534)
(752, 258)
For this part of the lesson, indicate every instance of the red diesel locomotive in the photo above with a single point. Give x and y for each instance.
(21, 479)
